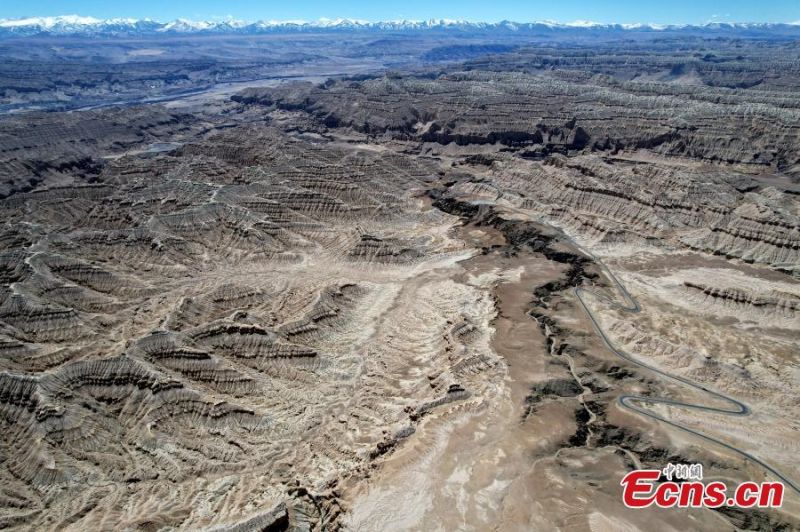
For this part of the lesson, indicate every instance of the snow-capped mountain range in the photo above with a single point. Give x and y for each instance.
(79, 25)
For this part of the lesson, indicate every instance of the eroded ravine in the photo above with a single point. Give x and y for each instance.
(737, 408)
(493, 465)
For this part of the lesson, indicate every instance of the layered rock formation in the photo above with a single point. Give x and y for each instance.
(301, 306)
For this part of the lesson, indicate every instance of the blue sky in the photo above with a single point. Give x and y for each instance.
(623, 11)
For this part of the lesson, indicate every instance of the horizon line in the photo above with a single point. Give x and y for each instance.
(89, 19)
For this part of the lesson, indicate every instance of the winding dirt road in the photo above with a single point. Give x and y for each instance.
(634, 402)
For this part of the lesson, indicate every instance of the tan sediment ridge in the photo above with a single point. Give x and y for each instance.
(350, 303)
(481, 468)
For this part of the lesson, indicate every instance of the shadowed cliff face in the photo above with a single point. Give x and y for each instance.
(702, 167)
(689, 100)
(549, 114)
(274, 310)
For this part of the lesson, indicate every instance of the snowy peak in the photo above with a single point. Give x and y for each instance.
(50, 22)
(79, 25)
(75, 25)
